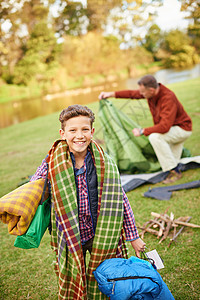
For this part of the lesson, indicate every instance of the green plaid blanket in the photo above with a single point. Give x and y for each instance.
(109, 241)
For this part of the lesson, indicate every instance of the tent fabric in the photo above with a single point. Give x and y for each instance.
(165, 192)
(131, 154)
(131, 182)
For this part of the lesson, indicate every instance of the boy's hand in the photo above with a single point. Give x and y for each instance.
(139, 246)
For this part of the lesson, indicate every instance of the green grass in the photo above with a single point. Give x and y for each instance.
(29, 274)
(10, 92)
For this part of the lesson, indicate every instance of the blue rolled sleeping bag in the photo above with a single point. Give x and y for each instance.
(129, 279)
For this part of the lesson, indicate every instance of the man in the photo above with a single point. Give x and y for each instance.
(172, 125)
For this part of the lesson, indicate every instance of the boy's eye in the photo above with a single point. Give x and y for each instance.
(86, 129)
(72, 130)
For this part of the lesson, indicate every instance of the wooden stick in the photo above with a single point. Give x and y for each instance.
(186, 224)
(158, 223)
(169, 225)
(155, 232)
(144, 228)
(160, 216)
(161, 230)
(175, 221)
(175, 236)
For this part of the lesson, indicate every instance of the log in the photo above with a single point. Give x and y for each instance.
(160, 224)
(175, 221)
(161, 230)
(155, 232)
(169, 226)
(164, 218)
(186, 224)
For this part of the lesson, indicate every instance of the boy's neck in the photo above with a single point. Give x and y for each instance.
(79, 159)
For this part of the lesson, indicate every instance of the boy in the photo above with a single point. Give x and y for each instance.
(90, 210)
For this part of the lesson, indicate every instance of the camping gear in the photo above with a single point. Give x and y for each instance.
(129, 279)
(165, 192)
(109, 240)
(131, 154)
(37, 228)
(39, 224)
(18, 208)
(130, 182)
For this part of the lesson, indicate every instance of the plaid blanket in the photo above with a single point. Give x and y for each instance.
(18, 208)
(109, 239)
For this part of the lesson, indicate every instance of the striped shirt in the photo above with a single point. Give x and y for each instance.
(85, 218)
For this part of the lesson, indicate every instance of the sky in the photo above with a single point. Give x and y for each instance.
(170, 16)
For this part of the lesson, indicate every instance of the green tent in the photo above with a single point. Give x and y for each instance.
(131, 154)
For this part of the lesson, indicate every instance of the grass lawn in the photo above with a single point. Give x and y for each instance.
(29, 274)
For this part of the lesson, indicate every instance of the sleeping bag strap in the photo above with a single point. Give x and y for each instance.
(45, 186)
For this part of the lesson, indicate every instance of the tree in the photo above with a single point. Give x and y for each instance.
(193, 8)
(152, 40)
(40, 56)
(29, 41)
(130, 20)
(98, 11)
(73, 19)
(181, 53)
(9, 36)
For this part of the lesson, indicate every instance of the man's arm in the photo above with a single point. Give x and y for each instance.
(127, 94)
(105, 95)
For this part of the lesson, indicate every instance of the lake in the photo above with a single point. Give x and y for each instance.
(19, 111)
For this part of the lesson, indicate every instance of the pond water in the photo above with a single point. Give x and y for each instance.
(18, 111)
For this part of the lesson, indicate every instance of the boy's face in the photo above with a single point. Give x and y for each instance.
(78, 134)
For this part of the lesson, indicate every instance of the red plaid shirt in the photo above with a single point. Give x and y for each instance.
(85, 218)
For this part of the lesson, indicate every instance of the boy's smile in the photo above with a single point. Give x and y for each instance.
(78, 134)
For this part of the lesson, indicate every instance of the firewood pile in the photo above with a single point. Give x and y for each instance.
(162, 225)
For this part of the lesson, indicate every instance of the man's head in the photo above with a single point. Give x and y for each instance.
(76, 128)
(148, 86)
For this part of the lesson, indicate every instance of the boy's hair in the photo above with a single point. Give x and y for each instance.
(75, 111)
(148, 81)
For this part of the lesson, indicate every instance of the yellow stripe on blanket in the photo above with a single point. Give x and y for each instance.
(18, 208)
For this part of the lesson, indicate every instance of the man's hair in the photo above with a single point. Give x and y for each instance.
(75, 111)
(148, 81)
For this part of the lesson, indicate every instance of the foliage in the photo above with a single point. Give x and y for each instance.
(153, 39)
(128, 21)
(187, 57)
(21, 17)
(73, 20)
(98, 10)
(193, 8)
(40, 56)
(180, 53)
(101, 55)
(29, 274)
(31, 50)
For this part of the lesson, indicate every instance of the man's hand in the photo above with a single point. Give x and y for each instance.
(105, 95)
(139, 246)
(136, 131)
